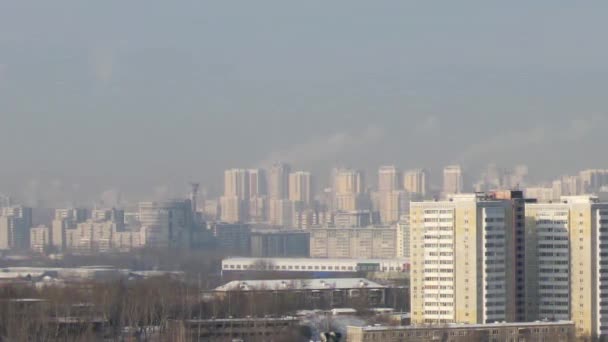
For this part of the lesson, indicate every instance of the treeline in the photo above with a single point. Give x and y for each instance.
(139, 309)
(90, 311)
(119, 310)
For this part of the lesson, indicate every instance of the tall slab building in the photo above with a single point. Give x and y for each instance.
(567, 263)
(459, 252)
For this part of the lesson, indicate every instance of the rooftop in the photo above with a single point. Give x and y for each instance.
(299, 284)
(314, 260)
(470, 326)
(248, 319)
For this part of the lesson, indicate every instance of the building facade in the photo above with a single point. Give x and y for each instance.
(348, 190)
(369, 242)
(453, 180)
(567, 263)
(278, 181)
(403, 237)
(233, 238)
(166, 223)
(234, 329)
(562, 331)
(416, 182)
(314, 265)
(15, 224)
(459, 255)
(283, 243)
(39, 239)
(300, 187)
(94, 236)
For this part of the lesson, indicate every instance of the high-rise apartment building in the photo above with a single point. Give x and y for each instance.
(236, 183)
(593, 179)
(66, 218)
(109, 214)
(167, 223)
(389, 196)
(567, 263)
(453, 180)
(235, 202)
(281, 212)
(391, 206)
(458, 252)
(389, 179)
(300, 187)
(495, 178)
(15, 224)
(567, 186)
(516, 250)
(57, 233)
(349, 188)
(416, 181)
(258, 209)
(348, 181)
(257, 183)
(39, 238)
(92, 236)
(74, 214)
(278, 181)
(279, 206)
(403, 237)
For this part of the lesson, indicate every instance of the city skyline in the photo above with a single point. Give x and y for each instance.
(412, 180)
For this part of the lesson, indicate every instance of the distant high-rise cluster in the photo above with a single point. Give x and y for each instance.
(280, 197)
(591, 181)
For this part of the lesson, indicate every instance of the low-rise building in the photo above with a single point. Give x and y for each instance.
(234, 329)
(280, 243)
(314, 293)
(234, 238)
(560, 331)
(369, 242)
(314, 265)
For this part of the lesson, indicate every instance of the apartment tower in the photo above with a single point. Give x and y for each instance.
(416, 182)
(458, 253)
(567, 263)
(453, 182)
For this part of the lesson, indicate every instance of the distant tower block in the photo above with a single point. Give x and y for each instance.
(194, 195)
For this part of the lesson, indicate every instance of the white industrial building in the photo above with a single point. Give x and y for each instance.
(315, 265)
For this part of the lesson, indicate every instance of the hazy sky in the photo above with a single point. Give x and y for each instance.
(144, 96)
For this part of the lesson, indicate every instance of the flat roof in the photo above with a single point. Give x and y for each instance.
(233, 320)
(275, 231)
(467, 326)
(314, 260)
(299, 284)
